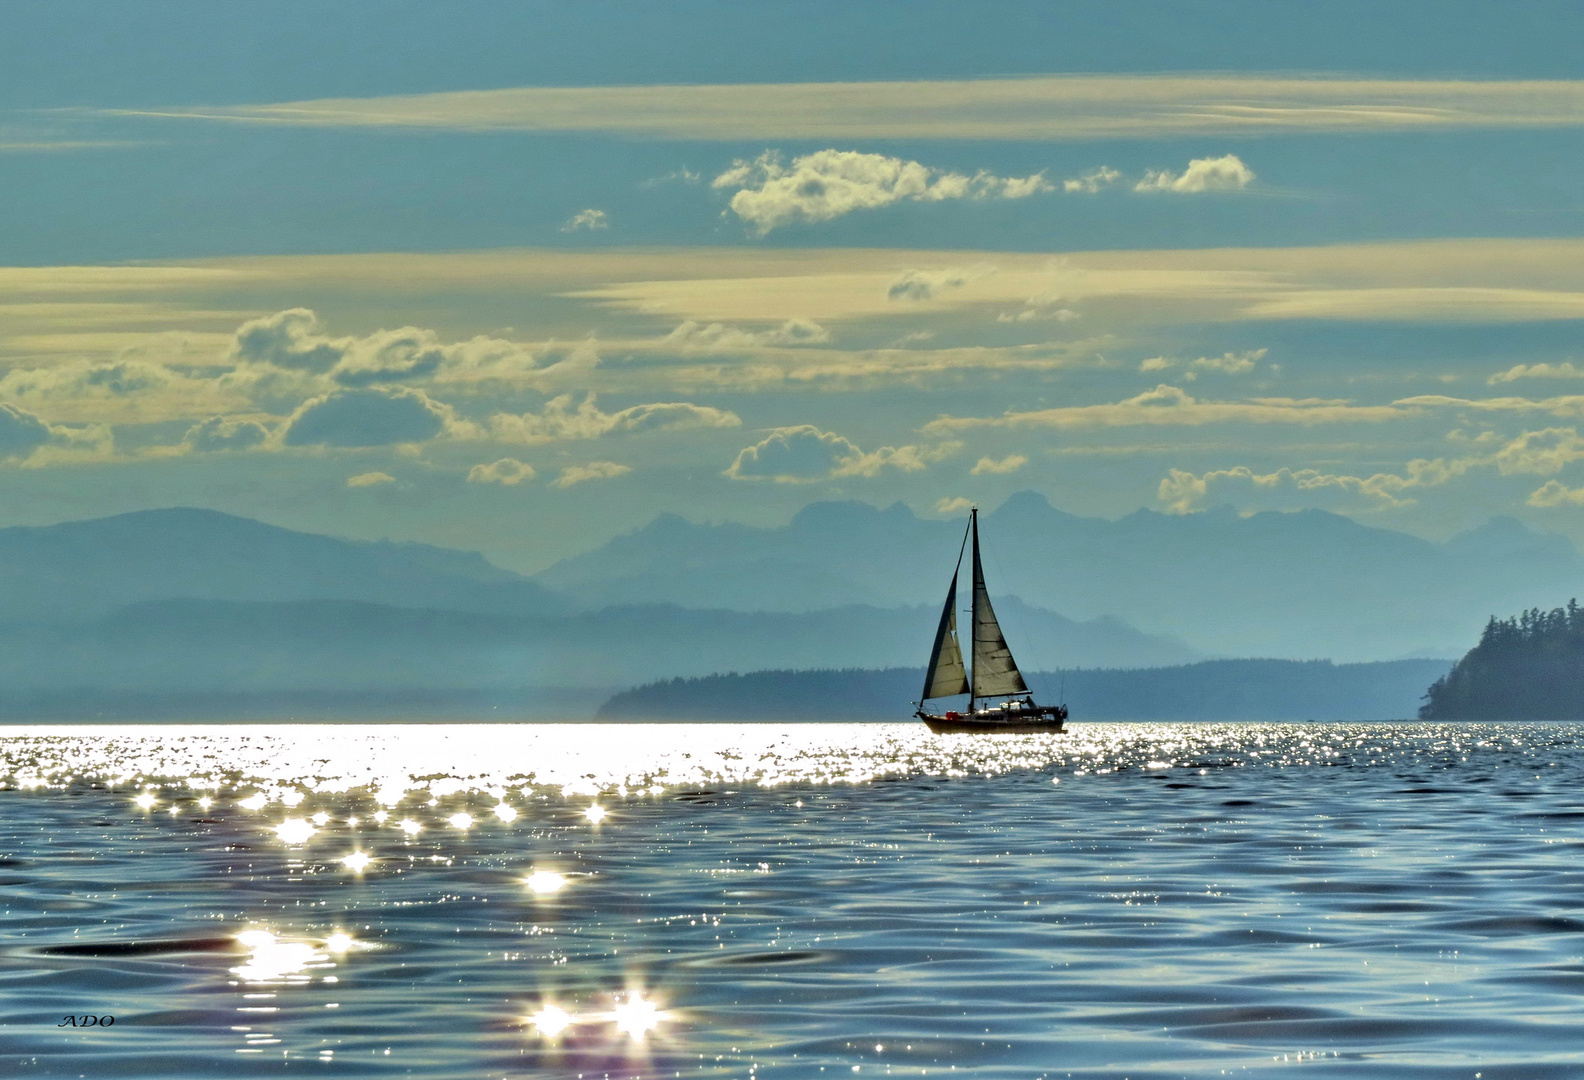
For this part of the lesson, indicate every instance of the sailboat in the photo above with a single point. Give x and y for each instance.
(995, 674)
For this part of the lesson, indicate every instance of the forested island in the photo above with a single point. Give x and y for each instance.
(1530, 667)
(1210, 690)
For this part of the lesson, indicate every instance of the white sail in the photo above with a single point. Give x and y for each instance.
(945, 675)
(994, 670)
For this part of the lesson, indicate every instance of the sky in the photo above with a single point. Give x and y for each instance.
(518, 277)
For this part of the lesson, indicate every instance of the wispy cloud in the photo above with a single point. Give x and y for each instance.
(560, 420)
(1170, 405)
(1564, 370)
(508, 472)
(370, 479)
(1041, 108)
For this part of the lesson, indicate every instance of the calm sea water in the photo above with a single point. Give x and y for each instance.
(1377, 900)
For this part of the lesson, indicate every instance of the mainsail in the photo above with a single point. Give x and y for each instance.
(945, 675)
(994, 670)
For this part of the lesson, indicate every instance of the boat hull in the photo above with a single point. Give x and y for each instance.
(1046, 723)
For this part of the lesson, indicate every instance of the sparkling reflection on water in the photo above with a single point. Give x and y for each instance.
(792, 901)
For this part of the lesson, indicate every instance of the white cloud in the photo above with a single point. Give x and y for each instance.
(804, 453)
(560, 420)
(1183, 492)
(1240, 363)
(1540, 453)
(508, 472)
(1564, 370)
(691, 334)
(370, 479)
(225, 433)
(831, 183)
(1009, 464)
(1157, 363)
(1102, 177)
(594, 470)
(376, 416)
(928, 284)
(1554, 493)
(952, 507)
(588, 220)
(1226, 173)
(21, 432)
(1170, 405)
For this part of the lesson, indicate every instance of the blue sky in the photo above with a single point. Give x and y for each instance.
(518, 277)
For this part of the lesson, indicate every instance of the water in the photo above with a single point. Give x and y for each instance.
(793, 901)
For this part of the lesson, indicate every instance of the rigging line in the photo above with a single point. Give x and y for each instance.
(1017, 614)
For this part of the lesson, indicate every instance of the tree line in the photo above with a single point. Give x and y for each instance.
(1529, 667)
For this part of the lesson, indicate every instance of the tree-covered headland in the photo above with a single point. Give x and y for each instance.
(1526, 668)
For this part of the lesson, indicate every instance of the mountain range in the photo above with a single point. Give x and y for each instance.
(164, 603)
(1295, 585)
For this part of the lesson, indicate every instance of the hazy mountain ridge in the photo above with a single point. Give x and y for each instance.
(1297, 585)
(84, 570)
(213, 646)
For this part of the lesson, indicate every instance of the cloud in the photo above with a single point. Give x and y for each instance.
(21, 432)
(1226, 173)
(286, 339)
(829, 184)
(594, 470)
(1564, 370)
(1040, 109)
(589, 220)
(1553, 493)
(949, 506)
(691, 334)
(1102, 177)
(1009, 464)
(561, 420)
(508, 472)
(928, 284)
(370, 479)
(792, 455)
(804, 453)
(225, 433)
(1540, 453)
(1183, 492)
(1170, 405)
(377, 416)
(1240, 363)
(295, 341)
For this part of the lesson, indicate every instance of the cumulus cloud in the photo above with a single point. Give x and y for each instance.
(1103, 177)
(377, 416)
(21, 432)
(594, 470)
(1554, 493)
(804, 453)
(370, 479)
(1009, 464)
(508, 472)
(692, 334)
(225, 433)
(1226, 173)
(295, 341)
(561, 420)
(1540, 453)
(588, 220)
(1171, 405)
(952, 506)
(831, 183)
(1564, 370)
